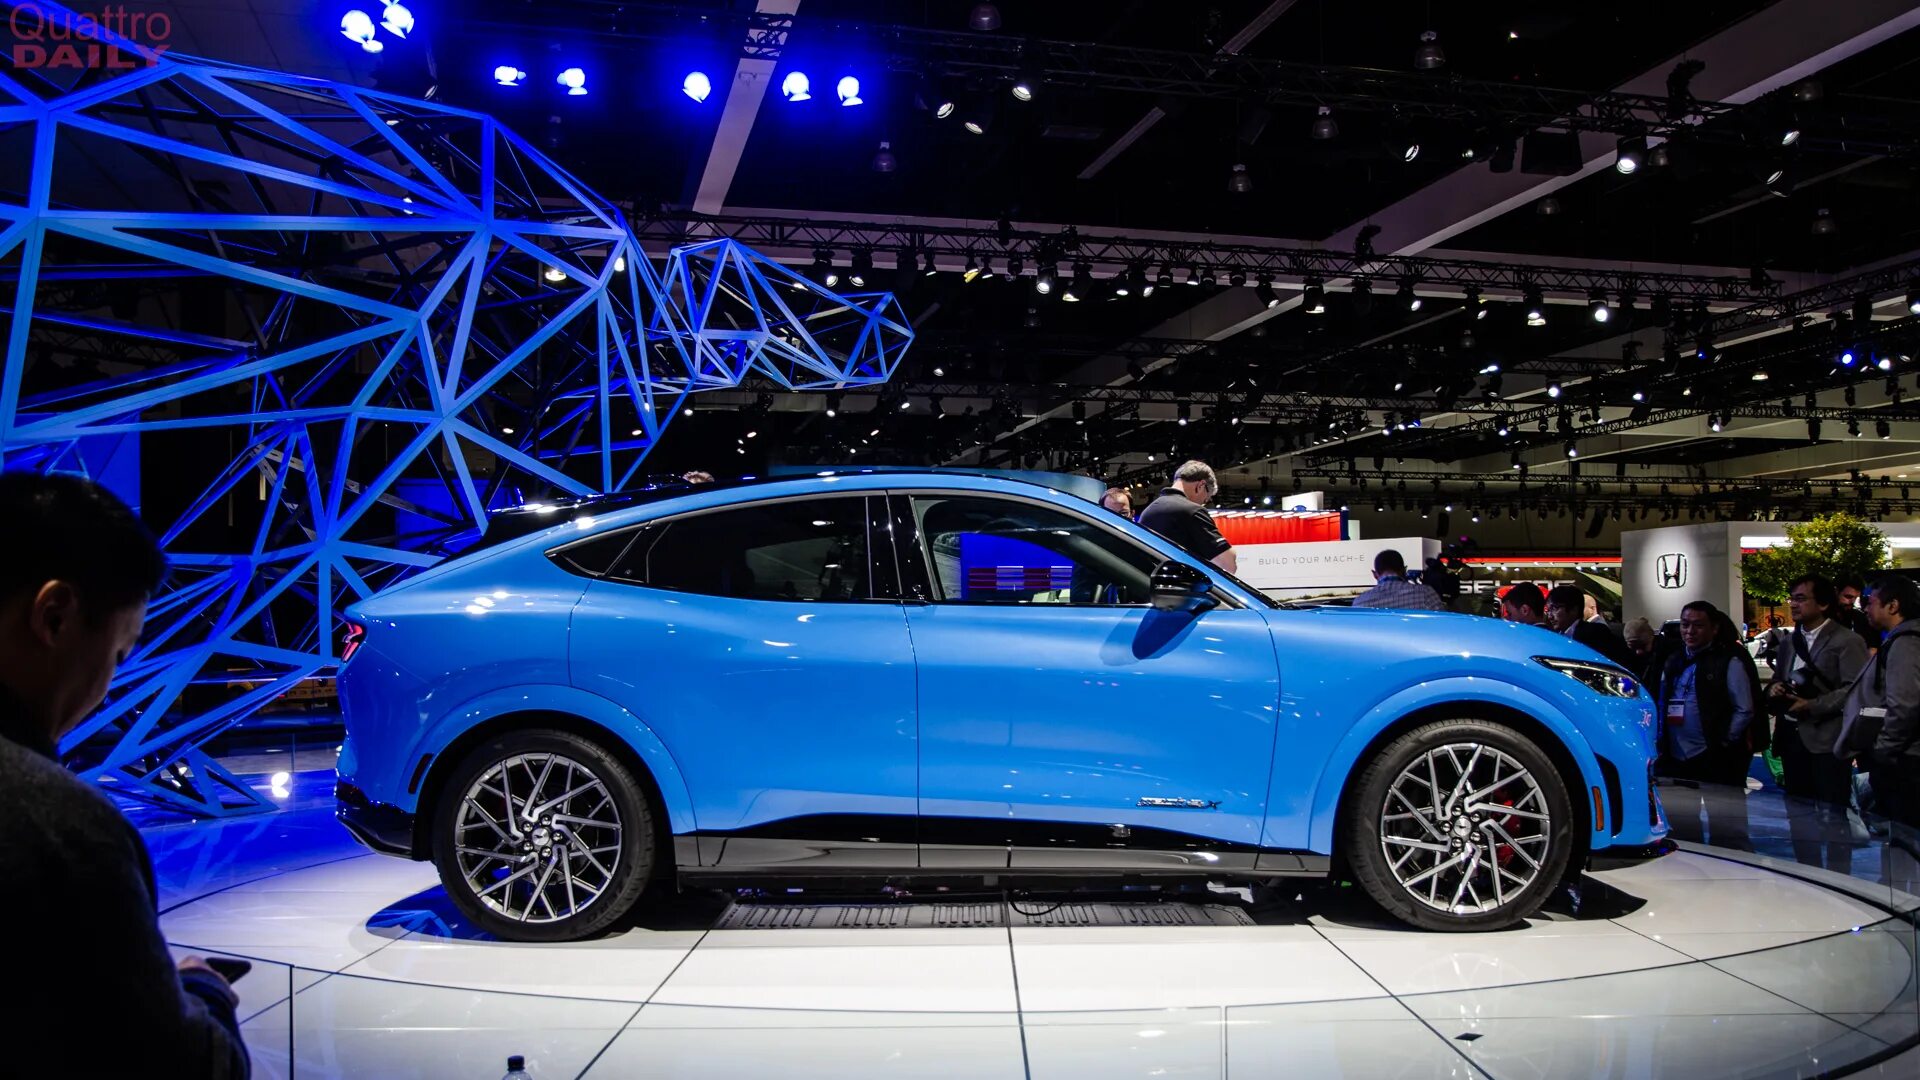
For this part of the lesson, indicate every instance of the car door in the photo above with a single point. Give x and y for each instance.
(757, 642)
(1064, 722)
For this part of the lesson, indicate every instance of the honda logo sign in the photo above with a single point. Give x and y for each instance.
(1673, 571)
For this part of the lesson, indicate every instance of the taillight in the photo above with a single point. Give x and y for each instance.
(350, 643)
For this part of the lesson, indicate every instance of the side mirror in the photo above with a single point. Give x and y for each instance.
(1180, 587)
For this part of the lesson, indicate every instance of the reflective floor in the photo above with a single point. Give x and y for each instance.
(1700, 964)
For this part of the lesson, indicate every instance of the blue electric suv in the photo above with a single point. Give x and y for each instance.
(945, 676)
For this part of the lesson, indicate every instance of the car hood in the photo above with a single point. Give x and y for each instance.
(1446, 631)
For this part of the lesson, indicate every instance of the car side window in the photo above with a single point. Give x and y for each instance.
(987, 550)
(596, 555)
(798, 549)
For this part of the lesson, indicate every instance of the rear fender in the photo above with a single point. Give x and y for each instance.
(590, 707)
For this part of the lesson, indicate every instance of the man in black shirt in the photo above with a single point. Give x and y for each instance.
(1180, 515)
(101, 994)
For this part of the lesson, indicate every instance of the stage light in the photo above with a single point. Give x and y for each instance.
(833, 404)
(1913, 298)
(1207, 277)
(1409, 150)
(1238, 182)
(1137, 279)
(1165, 280)
(1428, 55)
(848, 90)
(1553, 389)
(862, 266)
(1847, 358)
(575, 80)
(1476, 303)
(1885, 363)
(619, 264)
(1313, 298)
(1597, 307)
(1263, 291)
(1183, 411)
(555, 274)
(1761, 375)
(1236, 277)
(1853, 428)
(1502, 428)
(978, 115)
(397, 19)
(1790, 135)
(1408, 297)
(1883, 429)
(697, 86)
(1082, 285)
(1629, 153)
(1193, 273)
(357, 26)
(1713, 421)
(823, 270)
(1324, 125)
(508, 75)
(1573, 450)
(883, 159)
(984, 17)
(1043, 279)
(1535, 308)
(796, 86)
(1823, 223)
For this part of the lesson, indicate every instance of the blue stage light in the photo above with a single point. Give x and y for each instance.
(796, 86)
(397, 19)
(357, 25)
(508, 75)
(849, 91)
(574, 79)
(697, 86)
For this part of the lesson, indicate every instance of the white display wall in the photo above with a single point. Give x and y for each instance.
(1665, 568)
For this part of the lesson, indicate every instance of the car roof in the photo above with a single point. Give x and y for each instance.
(515, 522)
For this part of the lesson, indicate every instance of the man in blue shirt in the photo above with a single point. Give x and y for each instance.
(1393, 590)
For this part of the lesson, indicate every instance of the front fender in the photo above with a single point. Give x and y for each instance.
(573, 701)
(1463, 690)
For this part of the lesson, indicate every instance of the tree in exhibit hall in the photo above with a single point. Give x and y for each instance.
(1835, 546)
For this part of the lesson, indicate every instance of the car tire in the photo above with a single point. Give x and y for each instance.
(1443, 862)
(570, 869)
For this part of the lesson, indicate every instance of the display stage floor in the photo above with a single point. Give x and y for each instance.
(1692, 965)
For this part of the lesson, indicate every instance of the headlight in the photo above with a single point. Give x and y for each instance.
(1600, 678)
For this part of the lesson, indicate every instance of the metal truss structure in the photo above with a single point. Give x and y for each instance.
(343, 327)
(1474, 104)
(1108, 255)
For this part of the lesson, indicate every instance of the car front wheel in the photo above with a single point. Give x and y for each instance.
(543, 836)
(1459, 825)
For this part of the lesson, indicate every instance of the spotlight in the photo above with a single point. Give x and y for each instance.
(1629, 154)
(848, 90)
(1238, 182)
(1026, 81)
(862, 266)
(1182, 411)
(1713, 422)
(984, 17)
(1853, 428)
(555, 274)
(823, 270)
(1031, 322)
(833, 404)
(1165, 280)
(575, 80)
(1597, 307)
(1885, 363)
(1883, 429)
(1137, 280)
(1082, 284)
(1409, 150)
(1660, 156)
(1790, 135)
(697, 86)
(1502, 428)
(1913, 298)
(357, 26)
(1475, 302)
(1535, 307)
(1573, 450)
(1263, 291)
(1847, 358)
(978, 116)
(1408, 297)
(1193, 273)
(883, 159)
(1823, 223)
(1324, 125)
(397, 19)
(797, 87)
(1207, 277)
(1236, 277)
(1016, 266)
(1043, 279)
(1313, 298)
(1428, 55)
(1553, 389)
(971, 270)
(928, 269)
(508, 75)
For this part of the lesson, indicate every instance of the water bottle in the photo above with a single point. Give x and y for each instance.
(517, 1069)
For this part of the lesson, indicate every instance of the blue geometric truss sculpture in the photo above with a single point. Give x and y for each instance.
(438, 321)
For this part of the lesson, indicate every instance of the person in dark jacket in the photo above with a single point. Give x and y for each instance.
(1565, 614)
(1708, 696)
(1812, 669)
(100, 994)
(1880, 719)
(1180, 515)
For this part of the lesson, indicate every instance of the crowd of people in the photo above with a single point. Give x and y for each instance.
(1840, 700)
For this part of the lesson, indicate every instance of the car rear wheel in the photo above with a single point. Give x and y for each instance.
(543, 836)
(1459, 825)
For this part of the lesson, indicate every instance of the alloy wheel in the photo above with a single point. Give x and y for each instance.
(1465, 828)
(538, 837)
